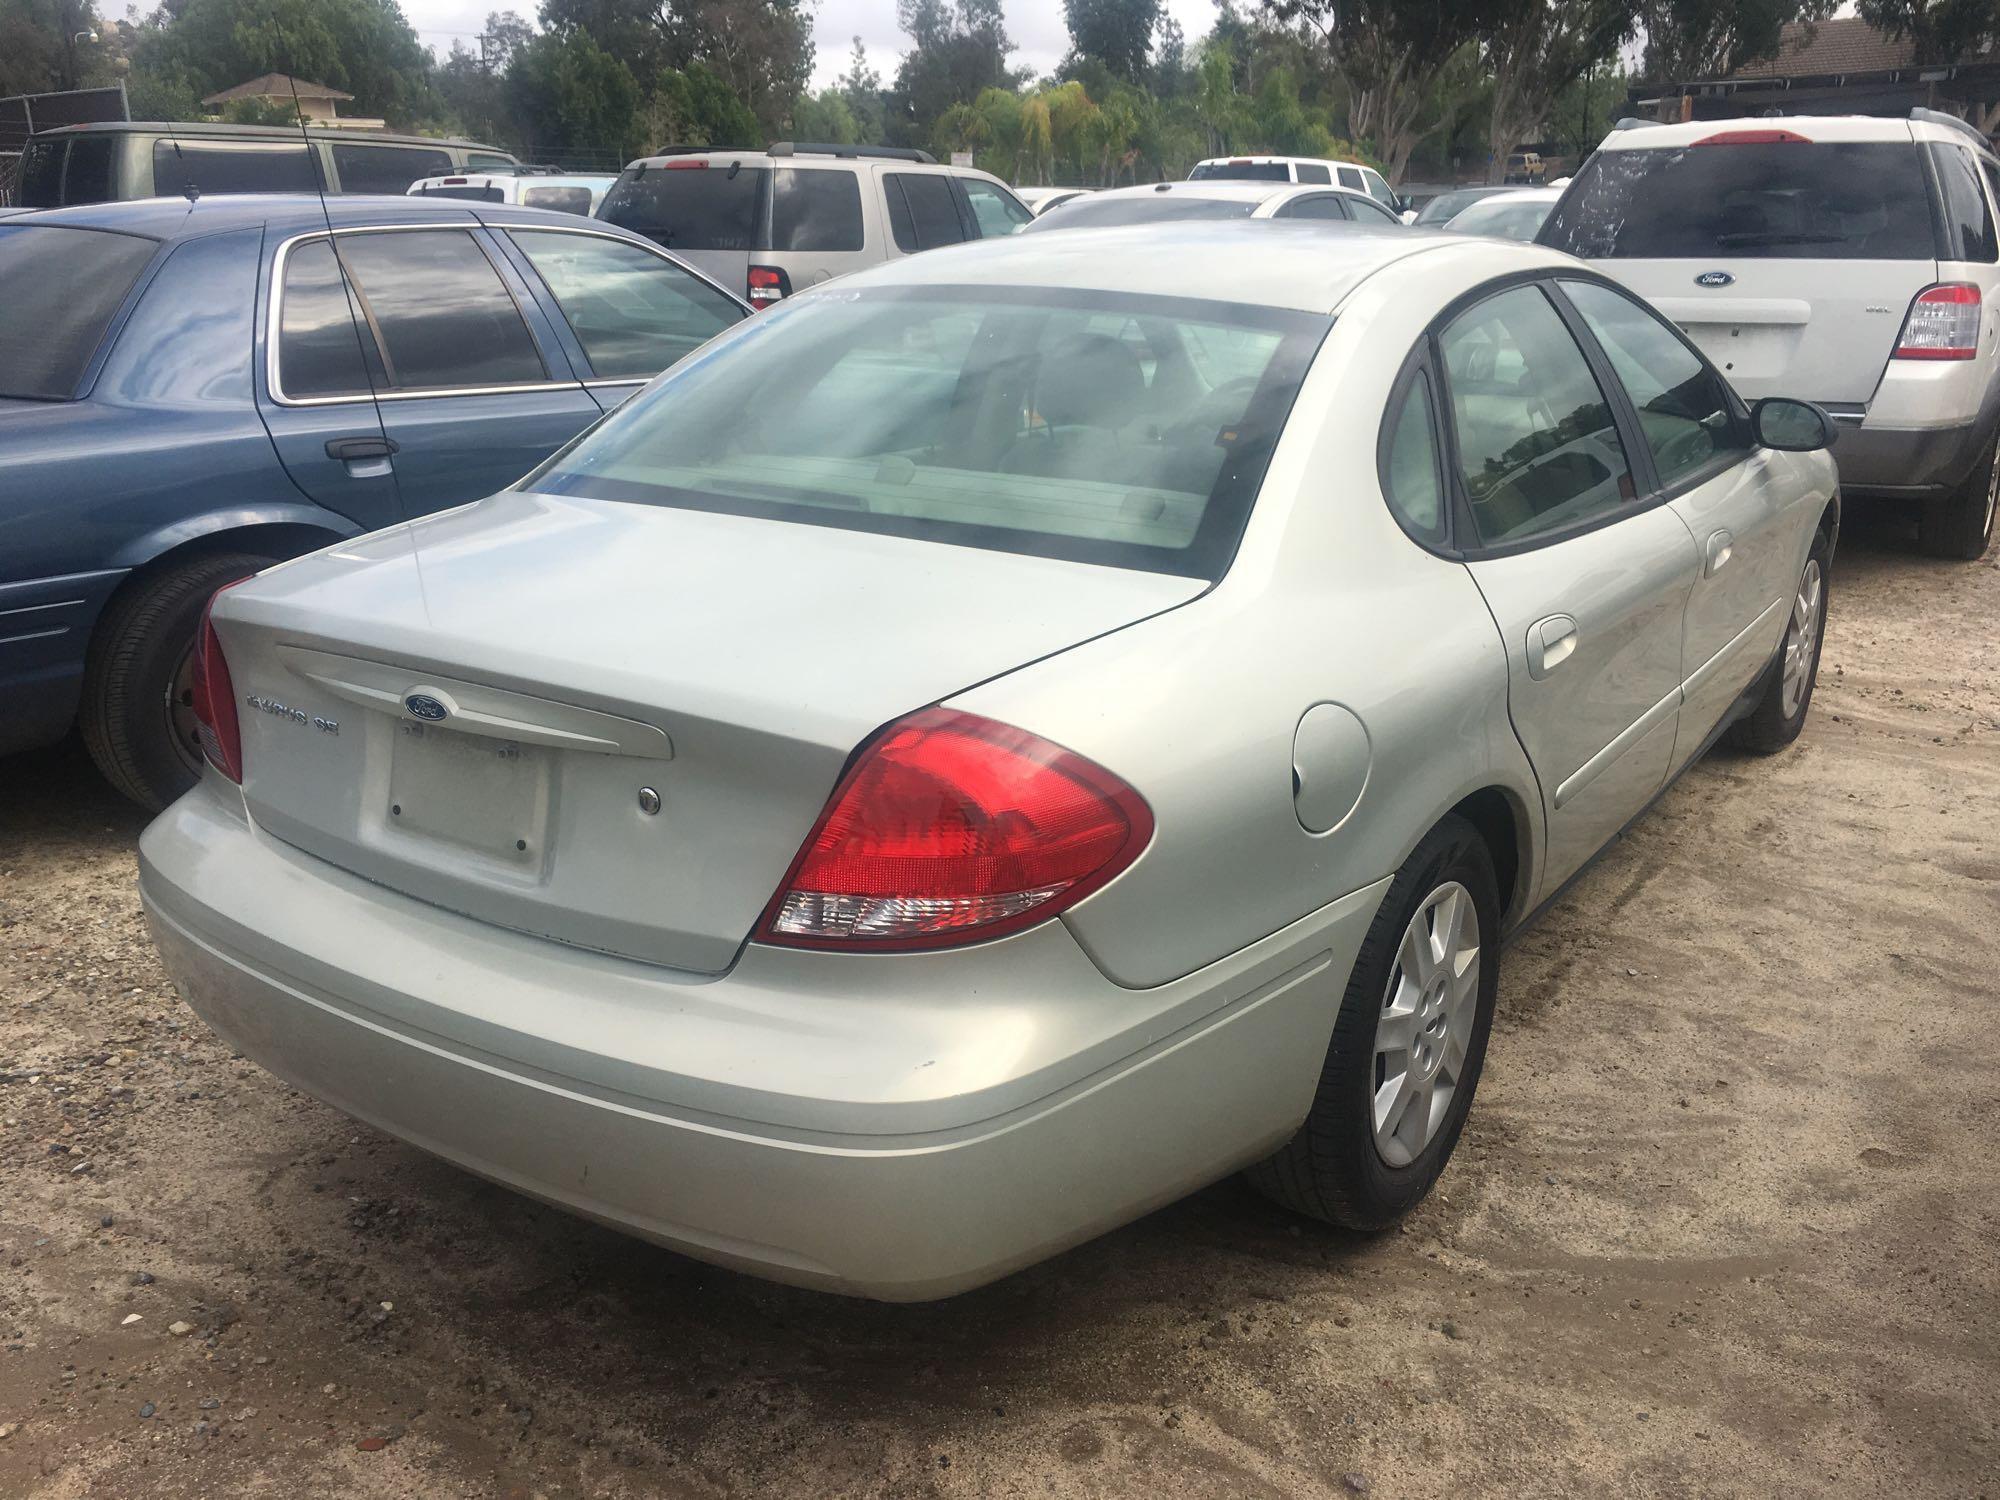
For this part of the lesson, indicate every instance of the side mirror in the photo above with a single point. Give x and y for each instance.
(1792, 426)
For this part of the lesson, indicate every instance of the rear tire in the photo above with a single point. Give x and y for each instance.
(1788, 686)
(1959, 525)
(135, 713)
(1364, 1158)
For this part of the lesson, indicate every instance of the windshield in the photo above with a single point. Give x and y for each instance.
(1445, 205)
(1101, 211)
(1503, 218)
(1793, 199)
(1130, 431)
(1242, 171)
(691, 205)
(60, 287)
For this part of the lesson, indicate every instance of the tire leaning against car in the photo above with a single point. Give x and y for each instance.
(1333, 1169)
(1959, 524)
(134, 668)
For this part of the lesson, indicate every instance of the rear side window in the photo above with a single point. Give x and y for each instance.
(994, 213)
(923, 214)
(633, 311)
(88, 176)
(386, 169)
(60, 288)
(1968, 223)
(568, 200)
(1537, 446)
(1350, 177)
(1312, 171)
(1242, 171)
(443, 316)
(1410, 478)
(41, 175)
(320, 350)
(698, 206)
(230, 166)
(815, 210)
(1318, 206)
(1782, 200)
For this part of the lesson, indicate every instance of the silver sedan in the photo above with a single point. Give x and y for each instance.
(997, 742)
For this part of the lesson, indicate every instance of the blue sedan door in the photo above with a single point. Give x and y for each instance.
(472, 386)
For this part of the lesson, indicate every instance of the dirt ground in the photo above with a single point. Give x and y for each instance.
(1725, 1220)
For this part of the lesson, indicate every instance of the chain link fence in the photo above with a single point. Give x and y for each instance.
(10, 171)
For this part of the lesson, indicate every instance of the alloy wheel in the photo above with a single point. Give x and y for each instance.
(1423, 1037)
(1802, 638)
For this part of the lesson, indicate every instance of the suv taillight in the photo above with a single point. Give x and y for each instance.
(950, 828)
(1943, 324)
(767, 285)
(215, 698)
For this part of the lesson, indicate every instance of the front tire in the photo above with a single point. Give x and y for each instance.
(1408, 1045)
(136, 714)
(1959, 525)
(1788, 687)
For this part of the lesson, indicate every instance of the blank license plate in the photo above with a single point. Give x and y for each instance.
(485, 794)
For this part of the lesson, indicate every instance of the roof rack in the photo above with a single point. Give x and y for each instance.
(815, 148)
(1939, 117)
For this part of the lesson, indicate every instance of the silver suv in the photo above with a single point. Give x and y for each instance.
(1847, 259)
(777, 221)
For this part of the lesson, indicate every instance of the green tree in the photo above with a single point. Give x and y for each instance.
(46, 44)
(1583, 111)
(1707, 38)
(1944, 31)
(861, 87)
(825, 117)
(566, 93)
(1533, 50)
(694, 106)
(1116, 33)
(959, 48)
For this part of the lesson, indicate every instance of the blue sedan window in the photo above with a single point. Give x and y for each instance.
(60, 287)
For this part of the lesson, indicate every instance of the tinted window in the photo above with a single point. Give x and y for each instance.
(480, 161)
(1368, 211)
(1318, 206)
(1098, 211)
(1968, 224)
(922, 211)
(996, 213)
(568, 200)
(218, 166)
(1410, 474)
(60, 288)
(1785, 200)
(41, 175)
(1124, 430)
(815, 210)
(88, 178)
(320, 345)
(1378, 188)
(1242, 171)
(1311, 171)
(385, 169)
(1350, 177)
(633, 312)
(1683, 408)
(1537, 445)
(692, 207)
(1445, 206)
(475, 194)
(444, 317)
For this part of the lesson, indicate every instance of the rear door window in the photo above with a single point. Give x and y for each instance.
(1410, 470)
(995, 213)
(60, 288)
(442, 316)
(1538, 448)
(1368, 211)
(1312, 171)
(1350, 177)
(1738, 199)
(231, 166)
(88, 176)
(386, 169)
(1968, 223)
(815, 209)
(634, 311)
(923, 214)
(320, 348)
(696, 206)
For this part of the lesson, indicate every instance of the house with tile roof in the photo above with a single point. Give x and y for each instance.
(318, 102)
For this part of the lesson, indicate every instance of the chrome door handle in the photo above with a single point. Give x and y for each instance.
(1551, 642)
(1721, 547)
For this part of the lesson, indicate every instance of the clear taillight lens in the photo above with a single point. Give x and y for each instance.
(1943, 324)
(951, 828)
(215, 699)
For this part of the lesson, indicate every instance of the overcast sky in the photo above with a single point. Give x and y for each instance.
(1035, 25)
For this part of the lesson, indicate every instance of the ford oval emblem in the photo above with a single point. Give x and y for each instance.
(424, 706)
(1715, 278)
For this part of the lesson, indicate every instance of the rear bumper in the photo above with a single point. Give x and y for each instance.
(874, 1126)
(1904, 461)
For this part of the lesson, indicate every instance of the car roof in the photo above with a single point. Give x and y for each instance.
(1226, 189)
(294, 213)
(1267, 262)
(525, 179)
(264, 132)
(1812, 127)
(1326, 161)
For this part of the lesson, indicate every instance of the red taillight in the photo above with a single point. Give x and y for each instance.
(951, 828)
(682, 164)
(1943, 323)
(1755, 138)
(766, 285)
(215, 699)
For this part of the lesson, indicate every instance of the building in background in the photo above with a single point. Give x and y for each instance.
(318, 102)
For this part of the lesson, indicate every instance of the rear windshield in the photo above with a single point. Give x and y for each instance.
(694, 207)
(1242, 171)
(1097, 213)
(1130, 431)
(1444, 205)
(487, 194)
(60, 287)
(1785, 200)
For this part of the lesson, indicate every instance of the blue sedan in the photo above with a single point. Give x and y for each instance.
(190, 391)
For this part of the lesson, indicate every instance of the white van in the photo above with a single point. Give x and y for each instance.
(1854, 261)
(571, 193)
(1348, 174)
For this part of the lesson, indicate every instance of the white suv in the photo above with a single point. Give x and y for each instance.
(776, 221)
(1304, 169)
(1851, 260)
